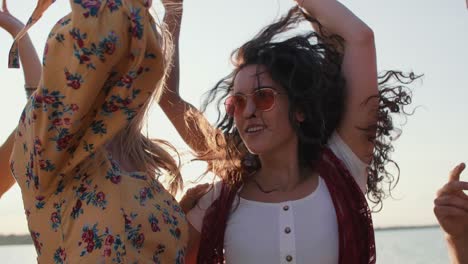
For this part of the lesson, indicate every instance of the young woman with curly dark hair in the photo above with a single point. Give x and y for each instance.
(304, 135)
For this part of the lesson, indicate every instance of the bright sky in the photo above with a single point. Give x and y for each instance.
(427, 36)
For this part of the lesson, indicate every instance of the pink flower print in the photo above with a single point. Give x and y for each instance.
(75, 84)
(111, 107)
(116, 179)
(143, 193)
(155, 227)
(76, 209)
(127, 101)
(55, 218)
(177, 232)
(109, 48)
(49, 99)
(74, 107)
(78, 204)
(42, 164)
(57, 122)
(91, 4)
(37, 243)
(60, 256)
(84, 58)
(46, 165)
(64, 141)
(100, 197)
(90, 247)
(154, 223)
(140, 239)
(67, 121)
(73, 80)
(82, 189)
(38, 98)
(88, 236)
(140, 70)
(109, 240)
(46, 49)
(127, 79)
(40, 202)
(128, 222)
(38, 146)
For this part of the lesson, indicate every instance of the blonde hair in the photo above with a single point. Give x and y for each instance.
(147, 154)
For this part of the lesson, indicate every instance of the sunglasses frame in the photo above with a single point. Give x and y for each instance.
(246, 96)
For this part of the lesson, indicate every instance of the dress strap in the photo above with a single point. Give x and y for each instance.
(41, 7)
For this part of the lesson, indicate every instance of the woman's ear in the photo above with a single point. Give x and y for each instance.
(300, 117)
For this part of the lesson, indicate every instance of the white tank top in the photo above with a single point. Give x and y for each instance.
(299, 231)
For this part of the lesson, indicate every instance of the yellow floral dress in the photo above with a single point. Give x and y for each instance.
(101, 63)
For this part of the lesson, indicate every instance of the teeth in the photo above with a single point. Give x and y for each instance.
(254, 129)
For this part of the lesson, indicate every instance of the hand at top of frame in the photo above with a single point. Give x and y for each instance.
(9, 22)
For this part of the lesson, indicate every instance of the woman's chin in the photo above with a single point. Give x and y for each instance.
(257, 149)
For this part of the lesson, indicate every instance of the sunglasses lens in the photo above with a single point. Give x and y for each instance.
(234, 104)
(264, 99)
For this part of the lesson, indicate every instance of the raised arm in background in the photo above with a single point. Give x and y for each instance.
(32, 73)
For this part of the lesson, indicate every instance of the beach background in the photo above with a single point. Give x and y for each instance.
(429, 37)
(394, 246)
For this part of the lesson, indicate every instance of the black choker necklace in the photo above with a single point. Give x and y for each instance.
(263, 190)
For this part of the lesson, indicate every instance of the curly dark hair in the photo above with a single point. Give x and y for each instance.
(308, 67)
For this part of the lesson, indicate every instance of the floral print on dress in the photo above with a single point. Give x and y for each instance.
(90, 239)
(137, 27)
(91, 7)
(114, 5)
(37, 243)
(101, 63)
(60, 256)
(154, 223)
(180, 259)
(173, 222)
(56, 216)
(133, 231)
(74, 80)
(156, 256)
(91, 197)
(144, 195)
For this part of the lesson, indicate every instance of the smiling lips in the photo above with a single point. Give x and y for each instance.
(251, 129)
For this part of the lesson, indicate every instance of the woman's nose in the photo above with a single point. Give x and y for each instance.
(249, 109)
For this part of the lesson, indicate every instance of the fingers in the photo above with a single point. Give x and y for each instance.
(4, 6)
(192, 195)
(452, 187)
(452, 201)
(455, 173)
(198, 189)
(443, 210)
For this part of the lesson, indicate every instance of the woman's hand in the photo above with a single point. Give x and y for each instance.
(191, 197)
(9, 22)
(451, 205)
(451, 210)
